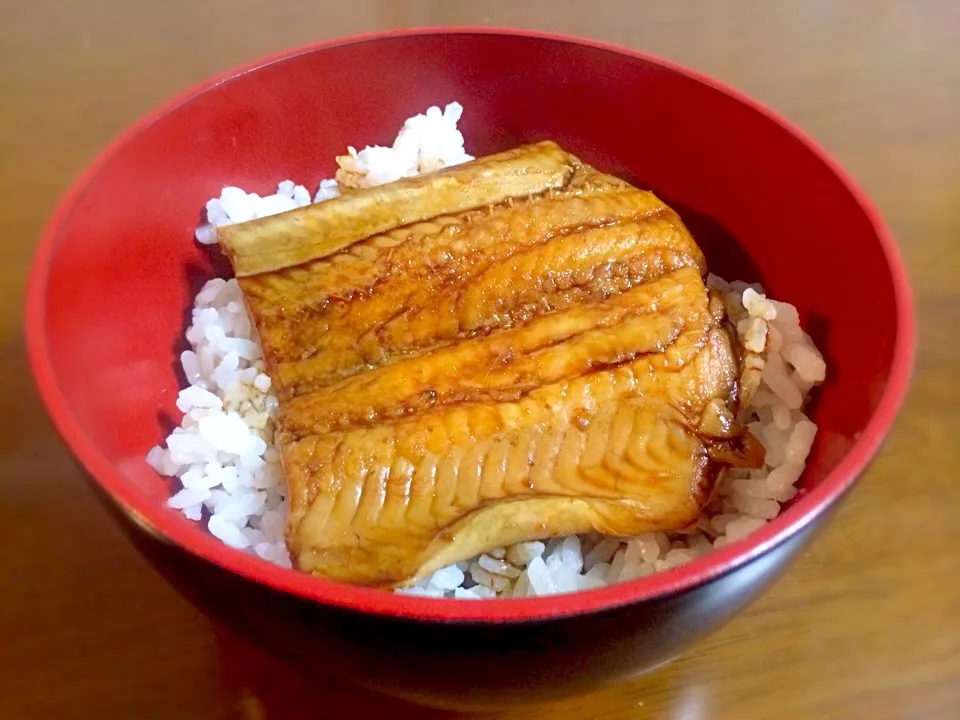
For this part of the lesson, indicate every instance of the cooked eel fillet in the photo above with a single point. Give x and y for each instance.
(317, 230)
(468, 376)
(506, 365)
(446, 279)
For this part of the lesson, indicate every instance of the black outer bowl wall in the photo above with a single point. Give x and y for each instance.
(469, 665)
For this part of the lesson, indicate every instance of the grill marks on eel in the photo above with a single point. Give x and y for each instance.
(508, 364)
(442, 281)
(540, 367)
(615, 441)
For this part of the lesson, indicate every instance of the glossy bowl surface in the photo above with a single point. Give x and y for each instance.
(114, 275)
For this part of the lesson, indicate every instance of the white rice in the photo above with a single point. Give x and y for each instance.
(224, 457)
(223, 452)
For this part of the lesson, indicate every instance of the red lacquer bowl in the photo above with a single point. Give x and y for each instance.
(116, 270)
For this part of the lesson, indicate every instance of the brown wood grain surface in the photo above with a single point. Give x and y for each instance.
(866, 625)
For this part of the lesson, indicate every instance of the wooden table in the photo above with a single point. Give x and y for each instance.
(866, 625)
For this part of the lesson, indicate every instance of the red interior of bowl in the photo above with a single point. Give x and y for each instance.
(115, 275)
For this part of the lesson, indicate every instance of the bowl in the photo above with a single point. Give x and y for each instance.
(114, 275)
